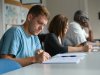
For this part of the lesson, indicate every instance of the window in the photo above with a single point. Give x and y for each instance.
(31, 1)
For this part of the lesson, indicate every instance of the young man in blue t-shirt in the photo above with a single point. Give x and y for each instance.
(21, 43)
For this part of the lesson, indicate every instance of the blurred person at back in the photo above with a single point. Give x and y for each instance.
(79, 31)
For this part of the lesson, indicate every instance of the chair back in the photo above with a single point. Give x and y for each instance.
(42, 39)
(7, 65)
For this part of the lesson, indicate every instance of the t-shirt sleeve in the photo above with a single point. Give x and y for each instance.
(9, 43)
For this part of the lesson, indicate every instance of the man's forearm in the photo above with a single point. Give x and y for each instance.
(22, 61)
(90, 38)
(25, 61)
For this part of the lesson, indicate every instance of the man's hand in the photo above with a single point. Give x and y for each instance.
(89, 31)
(88, 48)
(41, 56)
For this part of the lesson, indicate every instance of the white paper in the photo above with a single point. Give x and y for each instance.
(63, 60)
(78, 55)
(67, 59)
(68, 54)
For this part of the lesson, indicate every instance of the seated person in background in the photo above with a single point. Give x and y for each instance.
(79, 31)
(53, 41)
(21, 43)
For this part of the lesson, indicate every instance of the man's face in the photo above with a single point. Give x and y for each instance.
(85, 23)
(36, 24)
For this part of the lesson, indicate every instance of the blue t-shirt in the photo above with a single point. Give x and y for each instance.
(17, 42)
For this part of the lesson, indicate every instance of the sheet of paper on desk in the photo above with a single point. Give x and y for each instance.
(67, 58)
(61, 60)
(79, 55)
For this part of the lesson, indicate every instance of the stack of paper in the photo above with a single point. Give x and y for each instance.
(66, 58)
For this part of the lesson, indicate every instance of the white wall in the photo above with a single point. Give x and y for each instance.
(68, 7)
(93, 9)
(2, 28)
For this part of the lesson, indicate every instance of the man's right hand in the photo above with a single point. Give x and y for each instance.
(42, 56)
(88, 48)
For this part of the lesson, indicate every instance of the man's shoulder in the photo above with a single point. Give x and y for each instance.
(16, 28)
(75, 25)
(13, 30)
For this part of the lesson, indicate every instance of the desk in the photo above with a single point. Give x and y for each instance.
(89, 66)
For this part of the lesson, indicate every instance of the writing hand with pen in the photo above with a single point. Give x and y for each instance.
(41, 56)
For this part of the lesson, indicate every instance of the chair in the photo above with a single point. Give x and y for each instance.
(42, 39)
(7, 65)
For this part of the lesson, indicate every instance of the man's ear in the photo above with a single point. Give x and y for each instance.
(29, 17)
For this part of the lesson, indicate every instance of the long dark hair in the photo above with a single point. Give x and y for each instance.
(58, 25)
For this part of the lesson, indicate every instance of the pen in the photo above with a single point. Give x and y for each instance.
(69, 56)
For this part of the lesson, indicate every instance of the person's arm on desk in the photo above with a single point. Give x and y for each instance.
(85, 48)
(39, 58)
